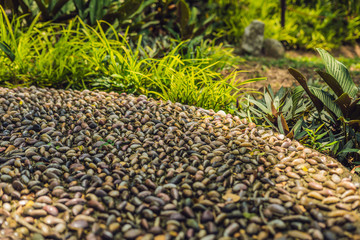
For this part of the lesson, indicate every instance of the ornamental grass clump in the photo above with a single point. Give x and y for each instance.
(79, 56)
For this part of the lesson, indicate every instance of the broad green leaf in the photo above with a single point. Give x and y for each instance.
(297, 127)
(339, 72)
(260, 105)
(296, 95)
(280, 126)
(6, 48)
(183, 14)
(95, 10)
(303, 82)
(332, 82)
(328, 100)
(129, 7)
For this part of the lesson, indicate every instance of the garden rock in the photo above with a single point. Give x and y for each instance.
(273, 48)
(253, 38)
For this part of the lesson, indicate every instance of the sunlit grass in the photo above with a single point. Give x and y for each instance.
(80, 57)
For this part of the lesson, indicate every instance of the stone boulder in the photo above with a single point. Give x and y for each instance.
(273, 48)
(253, 38)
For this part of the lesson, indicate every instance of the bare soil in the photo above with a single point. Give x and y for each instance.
(279, 77)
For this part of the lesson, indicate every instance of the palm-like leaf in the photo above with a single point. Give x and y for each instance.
(332, 82)
(339, 72)
(296, 96)
(328, 100)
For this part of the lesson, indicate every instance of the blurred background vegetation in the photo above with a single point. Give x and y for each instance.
(184, 51)
(308, 23)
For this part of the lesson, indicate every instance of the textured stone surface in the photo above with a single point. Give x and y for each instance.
(253, 38)
(273, 48)
(95, 165)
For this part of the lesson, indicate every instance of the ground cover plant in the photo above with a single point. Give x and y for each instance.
(340, 101)
(325, 118)
(78, 56)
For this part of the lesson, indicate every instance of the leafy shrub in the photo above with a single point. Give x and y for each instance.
(153, 18)
(278, 111)
(340, 102)
(326, 24)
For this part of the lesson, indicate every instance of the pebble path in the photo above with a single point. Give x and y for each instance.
(94, 165)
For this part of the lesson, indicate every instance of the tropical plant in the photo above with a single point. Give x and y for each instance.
(340, 102)
(284, 111)
(315, 139)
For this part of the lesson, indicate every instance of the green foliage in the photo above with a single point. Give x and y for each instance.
(326, 23)
(79, 56)
(284, 111)
(188, 21)
(314, 139)
(340, 102)
(88, 10)
(6, 48)
(289, 113)
(195, 84)
(153, 18)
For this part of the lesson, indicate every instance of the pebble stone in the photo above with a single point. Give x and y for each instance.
(95, 165)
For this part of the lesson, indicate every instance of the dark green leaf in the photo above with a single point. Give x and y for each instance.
(297, 127)
(296, 95)
(130, 7)
(58, 6)
(280, 126)
(303, 82)
(95, 10)
(183, 15)
(344, 102)
(127, 10)
(354, 109)
(354, 123)
(328, 100)
(80, 6)
(43, 9)
(6, 48)
(332, 82)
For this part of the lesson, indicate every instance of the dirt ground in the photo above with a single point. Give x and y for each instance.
(279, 77)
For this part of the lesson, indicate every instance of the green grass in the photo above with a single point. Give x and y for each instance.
(78, 56)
